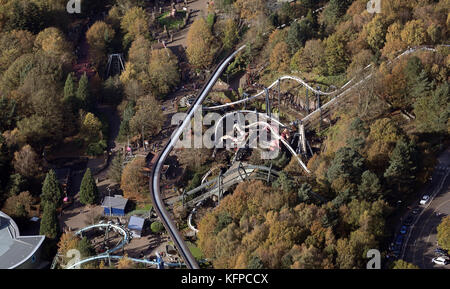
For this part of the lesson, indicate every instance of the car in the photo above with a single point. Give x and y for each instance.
(440, 261)
(425, 200)
(409, 220)
(416, 210)
(440, 251)
(399, 240)
(403, 230)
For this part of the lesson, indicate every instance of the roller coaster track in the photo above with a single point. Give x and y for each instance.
(156, 172)
(232, 176)
(338, 93)
(155, 188)
(107, 255)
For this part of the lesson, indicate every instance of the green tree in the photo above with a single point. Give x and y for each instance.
(157, 227)
(51, 190)
(298, 33)
(400, 264)
(432, 110)
(83, 93)
(304, 192)
(88, 189)
(255, 263)
(443, 231)
(336, 56)
(49, 222)
(116, 168)
(346, 168)
(370, 188)
(400, 175)
(7, 113)
(69, 92)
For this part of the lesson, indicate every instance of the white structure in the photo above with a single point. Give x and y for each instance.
(136, 225)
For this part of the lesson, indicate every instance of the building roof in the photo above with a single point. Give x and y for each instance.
(15, 249)
(136, 223)
(116, 202)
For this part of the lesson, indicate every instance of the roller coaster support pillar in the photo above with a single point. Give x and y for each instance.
(268, 108)
(302, 137)
(279, 93)
(220, 186)
(307, 101)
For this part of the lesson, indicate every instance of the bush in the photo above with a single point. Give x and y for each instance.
(96, 149)
(157, 227)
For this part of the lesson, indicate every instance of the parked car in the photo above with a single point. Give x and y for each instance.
(425, 200)
(409, 220)
(399, 240)
(403, 230)
(440, 261)
(441, 251)
(416, 210)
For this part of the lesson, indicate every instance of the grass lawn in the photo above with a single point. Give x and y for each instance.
(196, 252)
(170, 22)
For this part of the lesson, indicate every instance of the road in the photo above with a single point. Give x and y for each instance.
(156, 172)
(421, 244)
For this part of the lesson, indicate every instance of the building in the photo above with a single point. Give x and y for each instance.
(114, 206)
(18, 252)
(136, 225)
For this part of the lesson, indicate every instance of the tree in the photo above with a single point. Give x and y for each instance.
(443, 233)
(334, 11)
(255, 263)
(135, 22)
(370, 187)
(400, 174)
(432, 110)
(16, 184)
(230, 34)
(116, 168)
(148, 118)
(7, 113)
(69, 92)
(157, 227)
(83, 94)
(400, 264)
(88, 189)
(134, 183)
(376, 32)
(164, 74)
(51, 190)
(125, 263)
(201, 47)
(310, 58)
(304, 192)
(91, 128)
(53, 42)
(298, 33)
(26, 162)
(280, 57)
(345, 169)
(414, 33)
(393, 43)
(19, 206)
(49, 223)
(335, 54)
(100, 35)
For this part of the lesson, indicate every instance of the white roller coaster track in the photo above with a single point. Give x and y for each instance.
(274, 133)
(305, 84)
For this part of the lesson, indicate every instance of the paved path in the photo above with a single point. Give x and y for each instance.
(199, 8)
(423, 237)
